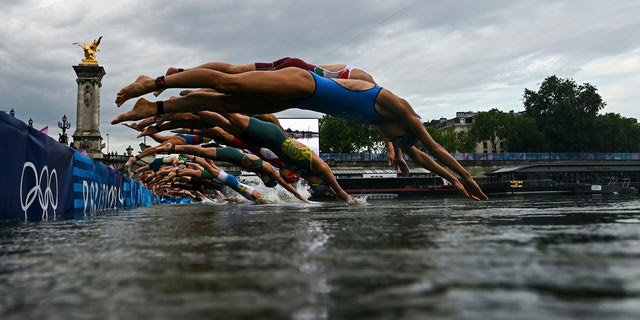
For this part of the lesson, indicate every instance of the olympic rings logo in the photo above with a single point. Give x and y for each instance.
(99, 197)
(41, 190)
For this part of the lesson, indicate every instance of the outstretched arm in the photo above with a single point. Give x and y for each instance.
(425, 161)
(398, 112)
(441, 154)
(394, 155)
(272, 171)
(143, 168)
(323, 170)
(144, 153)
(398, 161)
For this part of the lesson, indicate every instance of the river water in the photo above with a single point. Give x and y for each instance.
(508, 258)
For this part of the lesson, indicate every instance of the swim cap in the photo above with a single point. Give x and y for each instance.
(320, 188)
(289, 176)
(271, 183)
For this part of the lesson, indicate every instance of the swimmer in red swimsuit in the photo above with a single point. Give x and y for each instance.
(340, 71)
(269, 92)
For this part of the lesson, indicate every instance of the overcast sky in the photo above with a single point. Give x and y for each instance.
(442, 56)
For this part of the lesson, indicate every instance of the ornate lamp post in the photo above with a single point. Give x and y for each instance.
(30, 122)
(107, 143)
(129, 151)
(12, 112)
(64, 125)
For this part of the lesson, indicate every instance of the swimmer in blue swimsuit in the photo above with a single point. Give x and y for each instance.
(270, 92)
(158, 163)
(335, 100)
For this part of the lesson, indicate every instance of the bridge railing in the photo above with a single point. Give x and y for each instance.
(491, 156)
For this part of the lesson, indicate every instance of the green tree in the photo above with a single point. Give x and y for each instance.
(466, 142)
(616, 134)
(523, 135)
(492, 125)
(450, 140)
(340, 136)
(565, 113)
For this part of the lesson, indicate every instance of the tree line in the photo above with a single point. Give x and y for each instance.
(562, 116)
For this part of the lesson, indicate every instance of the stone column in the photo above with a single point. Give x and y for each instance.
(87, 135)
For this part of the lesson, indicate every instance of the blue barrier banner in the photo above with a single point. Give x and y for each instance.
(35, 172)
(95, 188)
(42, 179)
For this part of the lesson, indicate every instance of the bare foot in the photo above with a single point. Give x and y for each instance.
(142, 109)
(169, 72)
(183, 131)
(139, 87)
(186, 92)
(148, 131)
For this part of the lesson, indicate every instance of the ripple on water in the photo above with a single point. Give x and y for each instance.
(525, 258)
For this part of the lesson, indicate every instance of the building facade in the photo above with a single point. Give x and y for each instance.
(462, 123)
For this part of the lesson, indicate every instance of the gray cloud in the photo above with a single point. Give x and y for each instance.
(442, 57)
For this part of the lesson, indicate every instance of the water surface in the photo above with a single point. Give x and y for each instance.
(508, 258)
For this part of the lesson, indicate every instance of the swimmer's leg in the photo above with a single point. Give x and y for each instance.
(200, 101)
(247, 191)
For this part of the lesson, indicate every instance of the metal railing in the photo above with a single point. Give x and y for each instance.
(491, 156)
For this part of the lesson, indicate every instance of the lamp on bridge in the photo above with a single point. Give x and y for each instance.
(12, 112)
(64, 125)
(30, 122)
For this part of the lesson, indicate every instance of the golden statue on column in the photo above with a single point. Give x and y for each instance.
(89, 51)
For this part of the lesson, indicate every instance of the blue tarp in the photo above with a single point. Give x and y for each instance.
(42, 179)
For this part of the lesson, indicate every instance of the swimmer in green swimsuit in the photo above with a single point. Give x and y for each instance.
(212, 172)
(294, 154)
(250, 162)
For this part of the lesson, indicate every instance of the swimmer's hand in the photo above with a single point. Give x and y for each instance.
(132, 125)
(474, 190)
(397, 161)
(464, 191)
(354, 201)
(401, 166)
